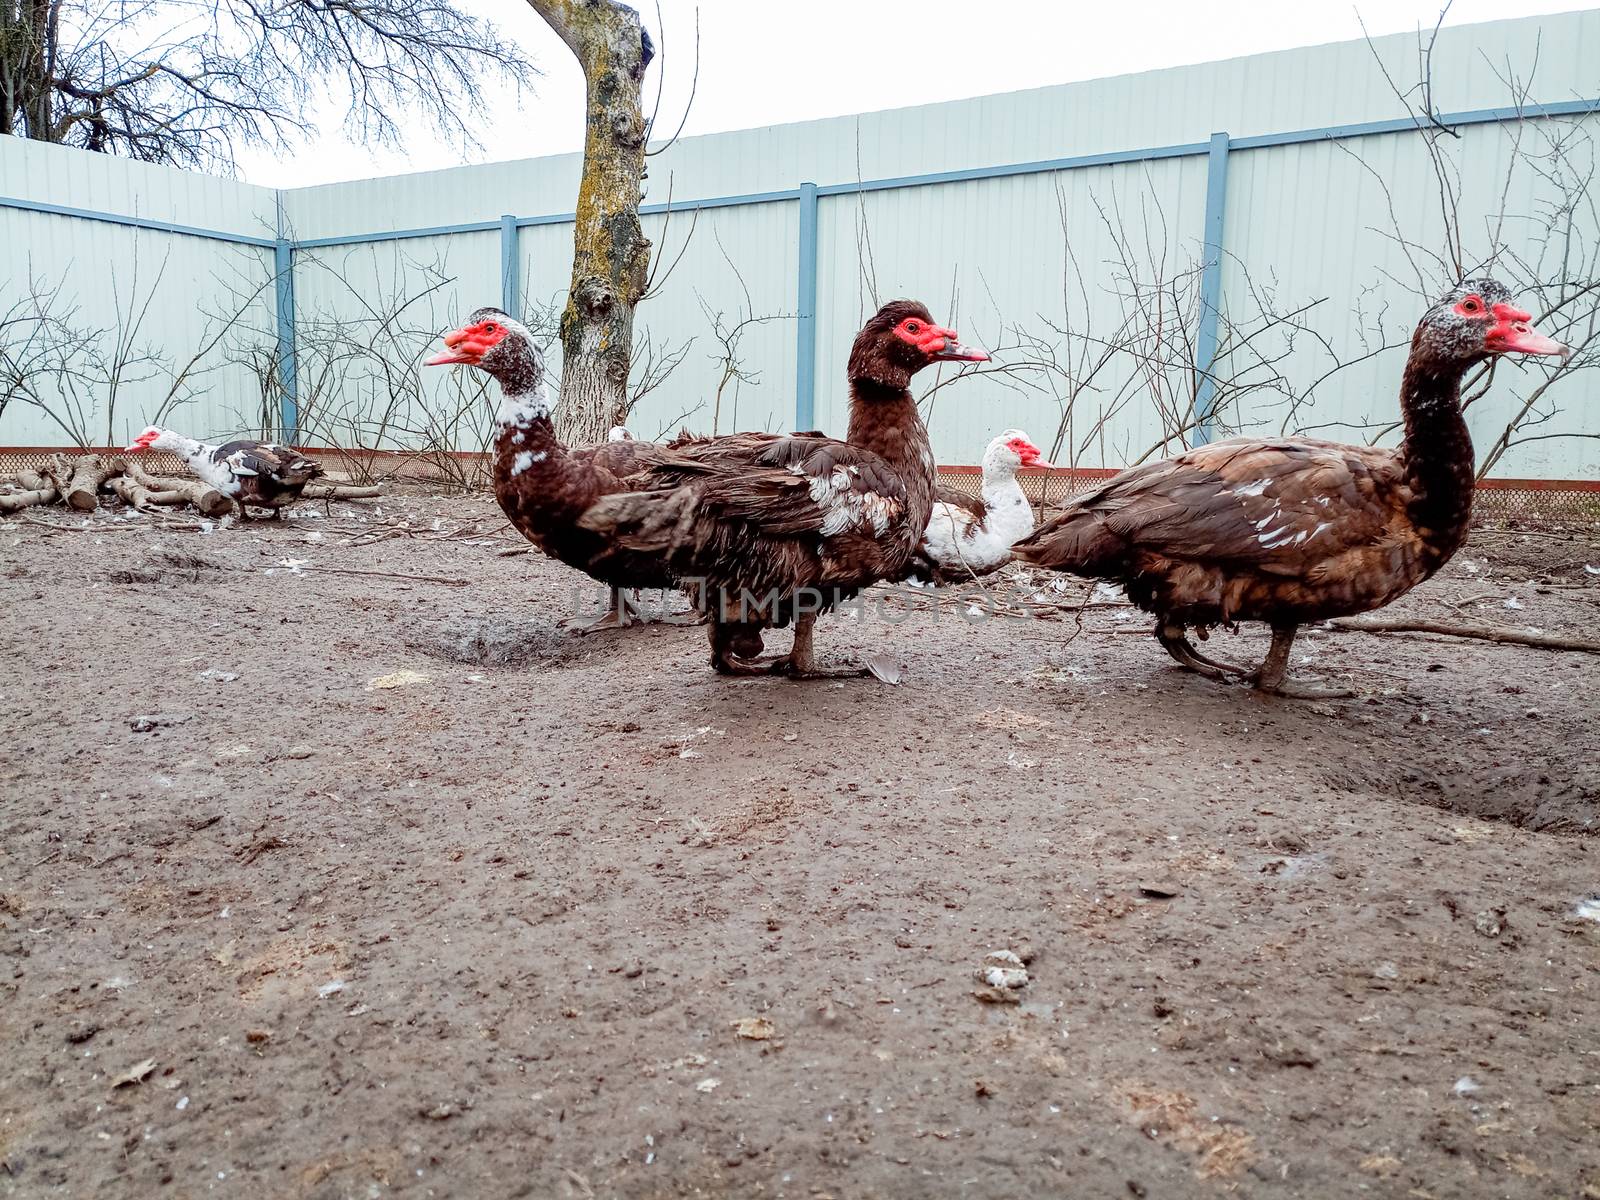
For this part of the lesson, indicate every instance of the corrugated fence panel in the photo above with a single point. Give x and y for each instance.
(366, 316)
(189, 322)
(36, 171)
(736, 274)
(990, 258)
(1370, 282)
(1015, 260)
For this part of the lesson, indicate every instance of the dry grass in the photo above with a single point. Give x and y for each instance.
(1173, 1119)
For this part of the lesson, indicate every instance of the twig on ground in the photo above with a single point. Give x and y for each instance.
(385, 575)
(1486, 633)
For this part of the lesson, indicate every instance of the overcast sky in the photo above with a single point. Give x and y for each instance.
(763, 62)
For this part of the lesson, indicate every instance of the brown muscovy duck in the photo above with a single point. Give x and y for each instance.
(541, 485)
(1291, 530)
(263, 474)
(767, 529)
(968, 536)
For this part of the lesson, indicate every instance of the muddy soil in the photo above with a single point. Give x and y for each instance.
(354, 885)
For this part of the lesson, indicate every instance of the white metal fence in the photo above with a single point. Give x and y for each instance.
(1058, 225)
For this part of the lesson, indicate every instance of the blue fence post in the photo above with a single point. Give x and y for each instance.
(283, 269)
(510, 281)
(1205, 349)
(805, 344)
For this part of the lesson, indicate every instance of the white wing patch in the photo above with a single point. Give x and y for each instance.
(845, 509)
(235, 463)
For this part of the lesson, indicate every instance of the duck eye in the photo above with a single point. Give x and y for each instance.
(491, 327)
(913, 327)
(1470, 304)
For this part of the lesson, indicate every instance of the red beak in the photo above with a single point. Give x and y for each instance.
(1032, 456)
(1515, 334)
(459, 350)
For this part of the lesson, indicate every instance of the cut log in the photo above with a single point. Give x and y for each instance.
(45, 493)
(139, 495)
(202, 495)
(83, 478)
(24, 481)
(339, 491)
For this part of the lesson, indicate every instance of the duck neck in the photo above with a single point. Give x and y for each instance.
(999, 484)
(884, 420)
(185, 448)
(1437, 453)
(531, 467)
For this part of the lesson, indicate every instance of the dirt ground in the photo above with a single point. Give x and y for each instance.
(351, 885)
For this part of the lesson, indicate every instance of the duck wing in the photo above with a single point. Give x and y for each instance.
(1286, 506)
(766, 485)
(282, 465)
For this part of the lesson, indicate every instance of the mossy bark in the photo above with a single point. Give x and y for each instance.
(611, 255)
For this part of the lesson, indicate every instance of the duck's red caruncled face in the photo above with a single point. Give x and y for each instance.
(937, 342)
(1025, 450)
(469, 344)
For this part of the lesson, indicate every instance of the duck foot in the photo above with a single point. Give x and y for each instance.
(726, 664)
(610, 619)
(1291, 690)
(688, 618)
(675, 618)
(616, 616)
(799, 663)
(1176, 644)
(1269, 677)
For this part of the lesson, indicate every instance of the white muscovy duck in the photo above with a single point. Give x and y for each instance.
(264, 474)
(968, 535)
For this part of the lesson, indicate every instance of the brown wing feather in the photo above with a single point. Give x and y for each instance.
(1284, 507)
(944, 494)
(785, 485)
(281, 465)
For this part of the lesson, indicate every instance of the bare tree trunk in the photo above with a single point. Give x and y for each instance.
(611, 255)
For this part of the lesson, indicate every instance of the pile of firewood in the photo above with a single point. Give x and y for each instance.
(80, 482)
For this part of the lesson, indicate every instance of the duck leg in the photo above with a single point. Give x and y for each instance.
(726, 642)
(668, 617)
(801, 661)
(244, 514)
(1269, 676)
(1176, 644)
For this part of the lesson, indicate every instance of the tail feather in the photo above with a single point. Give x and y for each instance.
(1080, 541)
